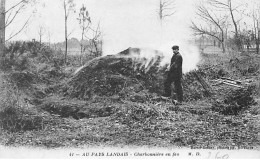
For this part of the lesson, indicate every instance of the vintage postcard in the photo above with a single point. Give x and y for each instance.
(131, 79)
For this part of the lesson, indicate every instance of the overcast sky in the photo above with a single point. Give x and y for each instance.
(124, 23)
(116, 16)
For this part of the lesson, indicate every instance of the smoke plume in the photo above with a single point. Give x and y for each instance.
(137, 25)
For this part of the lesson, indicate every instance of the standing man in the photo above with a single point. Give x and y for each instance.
(174, 75)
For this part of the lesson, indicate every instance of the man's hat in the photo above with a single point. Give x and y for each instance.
(175, 47)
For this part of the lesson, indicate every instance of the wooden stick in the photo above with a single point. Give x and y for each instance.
(226, 78)
(232, 82)
(208, 89)
(238, 86)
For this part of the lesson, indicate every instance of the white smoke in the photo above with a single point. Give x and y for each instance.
(145, 56)
(189, 52)
(138, 26)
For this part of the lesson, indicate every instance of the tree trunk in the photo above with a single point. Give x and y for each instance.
(66, 43)
(40, 40)
(66, 33)
(223, 47)
(81, 44)
(237, 39)
(257, 42)
(257, 46)
(2, 28)
(101, 47)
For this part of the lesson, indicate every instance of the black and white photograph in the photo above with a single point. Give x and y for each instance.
(130, 79)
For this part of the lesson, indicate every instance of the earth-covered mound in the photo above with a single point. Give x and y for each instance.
(131, 70)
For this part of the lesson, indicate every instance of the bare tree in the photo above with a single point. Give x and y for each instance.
(2, 28)
(96, 41)
(7, 16)
(213, 25)
(256, 19)
(12, 13)
(68, 6)
(84, 22)
(166, 9)
(49, 34)
(231, 9)
(41, 32)
(254, 14)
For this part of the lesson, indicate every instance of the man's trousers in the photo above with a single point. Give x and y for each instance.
(177, 86)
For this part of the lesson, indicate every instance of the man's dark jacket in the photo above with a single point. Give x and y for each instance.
(176, 66)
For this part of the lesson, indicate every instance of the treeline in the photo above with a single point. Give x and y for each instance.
(233, 24)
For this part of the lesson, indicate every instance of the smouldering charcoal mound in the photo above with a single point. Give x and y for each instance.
(112, 74)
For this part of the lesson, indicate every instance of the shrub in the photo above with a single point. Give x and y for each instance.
(15, 112)
(16, 119)
(235, 101)
(21, 79)
(22, 56)
(244, 66)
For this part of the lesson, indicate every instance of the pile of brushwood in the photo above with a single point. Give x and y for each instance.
(117, 74)
(127, 74)
(235, 101)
